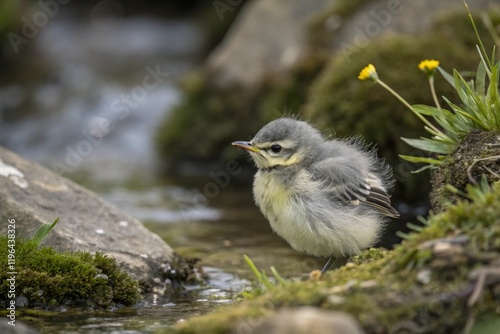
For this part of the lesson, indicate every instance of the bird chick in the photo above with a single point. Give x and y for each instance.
(326, 198)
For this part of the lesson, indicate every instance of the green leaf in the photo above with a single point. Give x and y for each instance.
(415, 227)
(484, 60)
(265, 281)
(430, 145)
(493, 99)
(278, 277)
(446, 122)
(431, 131)
(420, 159)
(461, 122)
(403, 235)
(423, 168)
(448, 77)
(461, 87)
(481, 79)
(252, 266)
(260, 275)
(426, 110)
(476, 121)
(43, 231)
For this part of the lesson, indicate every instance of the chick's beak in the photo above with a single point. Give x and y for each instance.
(246, 145)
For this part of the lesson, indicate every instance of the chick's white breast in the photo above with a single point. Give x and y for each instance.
(309, 221)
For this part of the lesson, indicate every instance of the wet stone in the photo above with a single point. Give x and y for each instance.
(303, 320)
(88, 223)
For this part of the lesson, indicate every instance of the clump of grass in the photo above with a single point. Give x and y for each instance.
(479, 107)
(265, 284)
(42, 232)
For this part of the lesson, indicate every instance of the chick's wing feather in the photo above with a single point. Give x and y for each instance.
(341, 179)
(344, 180)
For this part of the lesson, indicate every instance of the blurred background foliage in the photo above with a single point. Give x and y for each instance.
(323, 88)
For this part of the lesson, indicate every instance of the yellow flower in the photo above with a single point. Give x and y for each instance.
(428, 66)
(369, 72)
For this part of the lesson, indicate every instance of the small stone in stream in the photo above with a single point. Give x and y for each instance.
(303, 320)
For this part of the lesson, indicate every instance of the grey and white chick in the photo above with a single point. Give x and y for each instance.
(326, 198)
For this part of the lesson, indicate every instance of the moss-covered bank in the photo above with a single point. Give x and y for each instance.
(50, 279)
(477, 156)
(431, 283)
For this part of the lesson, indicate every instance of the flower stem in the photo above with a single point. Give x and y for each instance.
(422, 118)
(433, 91)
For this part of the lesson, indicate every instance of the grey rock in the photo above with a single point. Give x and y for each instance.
(302, 320)
(32, 195)
(271, 36)
(19, 328)
(268, 37)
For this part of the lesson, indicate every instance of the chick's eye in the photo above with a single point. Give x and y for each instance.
(276, 148)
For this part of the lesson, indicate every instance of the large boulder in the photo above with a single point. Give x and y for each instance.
(268, 37)
(33, 195)
(375, 19)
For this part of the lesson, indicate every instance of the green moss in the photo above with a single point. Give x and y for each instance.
(350, 106)
(49, 279)
(382, 289)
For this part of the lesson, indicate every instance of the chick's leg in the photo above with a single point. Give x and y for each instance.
(334, 263)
